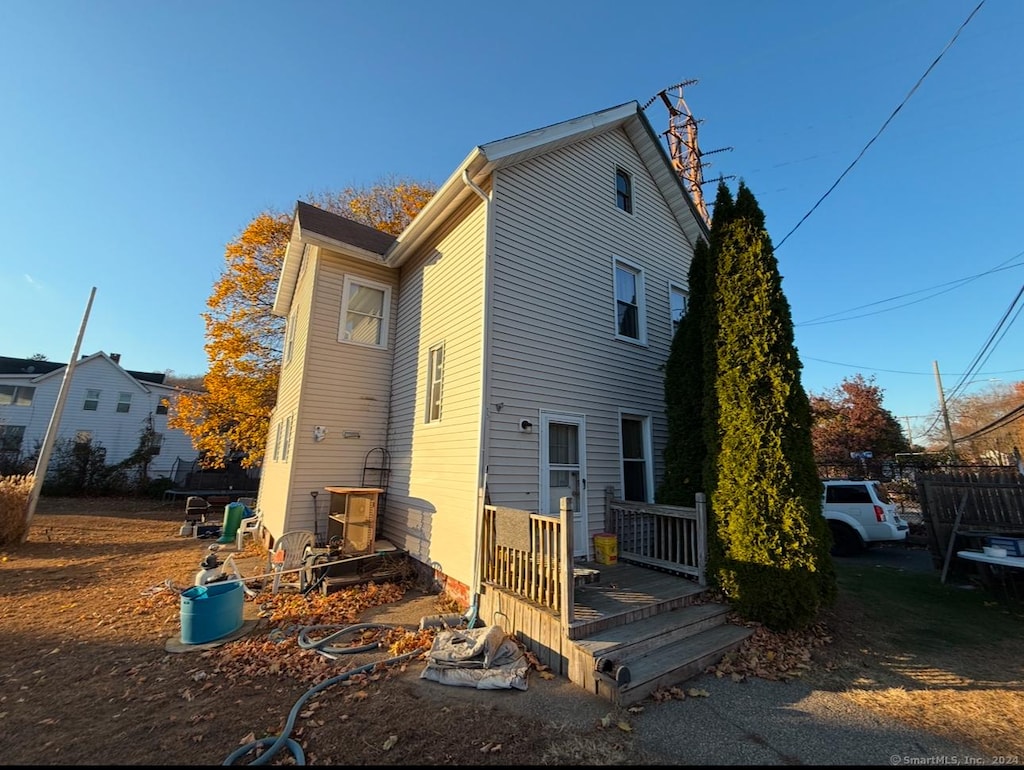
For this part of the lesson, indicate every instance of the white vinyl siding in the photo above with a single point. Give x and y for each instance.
(554, 349)
(344, 387)
(432, 500)
(95, 383)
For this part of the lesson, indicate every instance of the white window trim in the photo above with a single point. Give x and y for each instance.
(673, 287)
(87, 399)
(277, 440)
(385, 311)
(645, 421)
(632, 191)
(429, 418)
(289, 345)
(641, 304)
(286, 449)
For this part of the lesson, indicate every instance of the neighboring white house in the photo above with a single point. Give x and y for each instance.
(106, 404)
(507, 347)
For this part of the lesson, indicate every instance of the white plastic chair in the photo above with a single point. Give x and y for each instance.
(248, 526)
(288, 558)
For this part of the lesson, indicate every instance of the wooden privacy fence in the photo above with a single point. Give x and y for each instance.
(669, 537)
(992, 502)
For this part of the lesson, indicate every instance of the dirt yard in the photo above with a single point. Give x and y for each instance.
(89, 674)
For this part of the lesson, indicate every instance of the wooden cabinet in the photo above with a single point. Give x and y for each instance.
(352, 520)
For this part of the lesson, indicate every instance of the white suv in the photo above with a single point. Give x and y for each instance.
(859, 514)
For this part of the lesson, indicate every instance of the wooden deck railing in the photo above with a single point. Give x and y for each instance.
(534, 563)
(666, 536)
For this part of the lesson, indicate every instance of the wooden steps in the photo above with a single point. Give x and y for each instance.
(630, 661)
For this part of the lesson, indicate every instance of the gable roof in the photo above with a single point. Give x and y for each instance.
(487, 158)
(40, 370)
(27, 366)
(316, 224)
(312, 225)
(319, 227)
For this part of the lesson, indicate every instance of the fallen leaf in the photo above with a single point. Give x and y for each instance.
(694, 692)
(545, 675)
(625, 727)
(606, 720)
(390, 742)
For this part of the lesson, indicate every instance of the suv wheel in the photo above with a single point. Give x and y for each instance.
(845, 540)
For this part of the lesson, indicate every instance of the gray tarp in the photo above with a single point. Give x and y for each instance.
(485, 658)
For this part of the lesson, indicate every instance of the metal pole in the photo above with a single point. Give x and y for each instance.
(54, 428)
(942, 406)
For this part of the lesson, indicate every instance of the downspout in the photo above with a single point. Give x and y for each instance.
(474, 609)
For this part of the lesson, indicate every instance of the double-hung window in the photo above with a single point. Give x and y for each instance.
(365, 306)
(162, 405)
(92, 400)
(636, 476)
(289, 345)
(678, 300)
(124, 402)
(629, 302)
(623, 191)
(435, 382)
(16, 395)
(286, 448)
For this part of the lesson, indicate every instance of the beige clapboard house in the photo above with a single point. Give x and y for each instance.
(506, 351)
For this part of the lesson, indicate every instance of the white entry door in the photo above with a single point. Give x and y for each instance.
(563, 471)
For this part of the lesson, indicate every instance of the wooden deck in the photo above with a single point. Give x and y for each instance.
(625, 593)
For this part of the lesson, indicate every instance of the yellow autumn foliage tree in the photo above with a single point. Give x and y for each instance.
(231, 416)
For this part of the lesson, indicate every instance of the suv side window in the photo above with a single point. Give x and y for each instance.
(847, 493)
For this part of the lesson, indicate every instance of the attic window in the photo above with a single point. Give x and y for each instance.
(623, 191)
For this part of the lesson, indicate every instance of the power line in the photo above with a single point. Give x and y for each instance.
(954, 284)
(895, 371)
(884, 125)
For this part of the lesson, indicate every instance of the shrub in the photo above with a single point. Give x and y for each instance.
(14, 496)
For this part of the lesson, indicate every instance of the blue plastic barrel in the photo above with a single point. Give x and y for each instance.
(210, 612)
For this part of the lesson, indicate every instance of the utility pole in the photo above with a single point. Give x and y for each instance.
(942, 406)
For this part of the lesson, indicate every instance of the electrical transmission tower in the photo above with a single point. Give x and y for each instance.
(683, 147)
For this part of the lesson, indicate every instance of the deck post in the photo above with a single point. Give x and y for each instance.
(565, 556)
(702, 538)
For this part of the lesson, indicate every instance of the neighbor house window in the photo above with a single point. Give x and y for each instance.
(124, 402)
(435, 382)
(623, 191)
(629, 301)
(635, 471)
(92, 400)
(11, 437)
(364, 312)
(161, 406)
(678, 300)
(16, 395)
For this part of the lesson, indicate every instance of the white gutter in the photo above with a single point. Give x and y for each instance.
(485, 389)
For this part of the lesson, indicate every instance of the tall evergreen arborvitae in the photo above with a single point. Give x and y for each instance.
(686, 447)
(768, 541)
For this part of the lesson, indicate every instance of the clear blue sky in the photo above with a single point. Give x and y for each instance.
(138, 138)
